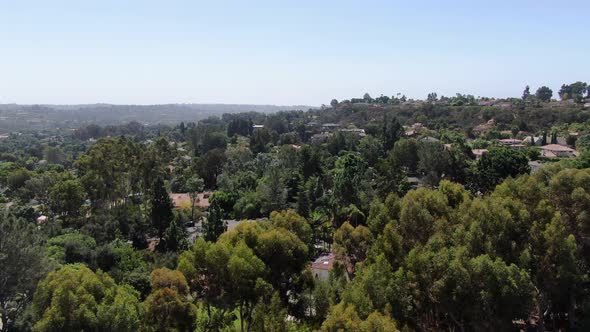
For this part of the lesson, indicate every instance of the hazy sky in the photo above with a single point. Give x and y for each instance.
(285, 52)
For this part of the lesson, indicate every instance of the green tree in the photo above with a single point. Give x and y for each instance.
(167, 307)
(23, 265)
(259, 140)
(214, 226)
(392, 132)
(352, 243)
(71, 248)
(66, 198)
(210, 165)
(194, 185)
(272, 190)
(161, 207)
(526, 93)
(498, 164)
(269, 315)
(405, 154)
(246, 271)
(291, 221)
(74, 298)
(350, 178)
(175, 236)
(434, 161)
(544, 94)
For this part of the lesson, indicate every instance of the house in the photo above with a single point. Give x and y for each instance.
(478, 153)
(320, 138)
(430, 139)
(415, 129)
(4, 136)
(562, 141)
(258, 126)
(330, 127)
(415, 182)
(41, 220)
(509, 142)
(418, 126)
(557, 151)
(532, 140)
(358, 132)
(322, 265)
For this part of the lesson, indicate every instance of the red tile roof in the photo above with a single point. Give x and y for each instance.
(557, 147)
(324, 262)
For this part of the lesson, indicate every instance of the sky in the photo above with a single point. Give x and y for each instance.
(285, 52)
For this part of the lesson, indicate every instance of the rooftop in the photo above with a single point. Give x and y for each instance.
(324, 262)
(557, 147)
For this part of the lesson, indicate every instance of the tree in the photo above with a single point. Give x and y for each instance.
(526, 93)
(259, 140)
(167, 307)
(371, 149)
(310, 161)
(74, 298)
(269, 315)
(352, 243)
(210, 165)
(434, 161)
(214, 226)
(498, 164)
(272, 190)
(420, 211)
(405, 154)
(334, 103)
(573, 91)
(161, 207)
(194, 185)
(544, 94)
(378, 322)
(175, 236)
(285, 256)
(246, 271)
(583, 143)
(72, 248)
(54, 155)
(342, 318)
(392, 132)
(23, 265)
(303, 204)
(350, 177)
(559, 276)
(66, 198)
(295, 223)
(432, 97)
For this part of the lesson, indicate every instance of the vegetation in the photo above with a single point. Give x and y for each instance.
(423, 230)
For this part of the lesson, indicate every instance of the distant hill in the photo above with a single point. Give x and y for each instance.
(20, 117)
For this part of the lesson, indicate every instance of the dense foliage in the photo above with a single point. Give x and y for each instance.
(424, 235)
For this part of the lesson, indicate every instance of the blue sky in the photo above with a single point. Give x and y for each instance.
(285, 52)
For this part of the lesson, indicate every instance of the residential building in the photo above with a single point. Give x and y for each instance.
(478, 153)
(322, 265)
(558, 151)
